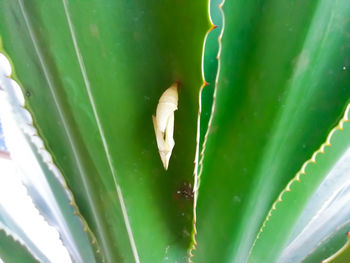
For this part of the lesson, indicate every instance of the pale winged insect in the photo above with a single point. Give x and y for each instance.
(163, 123)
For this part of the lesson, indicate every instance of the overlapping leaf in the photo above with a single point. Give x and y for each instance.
(41, 177)
(12, 251)
(282, 86)
(93, 72)
(313, 204)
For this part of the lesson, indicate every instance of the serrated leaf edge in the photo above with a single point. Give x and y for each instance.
(340, 251)
(101, 132)
(200, 156)
(325, 239)
(35, 138)
(297, 177)
(17, 239)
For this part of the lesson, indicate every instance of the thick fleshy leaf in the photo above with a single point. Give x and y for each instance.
(313, 204)
(16, 233)
(44, 183)
(342, 256)
(329, 246)
(327, 213)
(283, 84)
(209, 69)
(93, 72)
(210, 64)
(11, 251)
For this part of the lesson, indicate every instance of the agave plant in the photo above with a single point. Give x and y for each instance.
(260, 167)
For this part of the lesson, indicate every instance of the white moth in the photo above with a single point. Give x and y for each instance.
(163, 123)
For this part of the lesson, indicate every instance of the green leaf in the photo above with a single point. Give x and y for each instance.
(43, 181)
(93, 72)
(283, 83)
(206, 96)
(329, 246)
(331, 160)
(342, 256)
(11, 251)
(324, 220)
(210, 64)
(13, 233)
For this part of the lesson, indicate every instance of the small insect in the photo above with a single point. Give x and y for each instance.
(185, 191)
(163, 123)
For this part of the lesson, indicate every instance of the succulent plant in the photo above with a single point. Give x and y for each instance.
(260, 167)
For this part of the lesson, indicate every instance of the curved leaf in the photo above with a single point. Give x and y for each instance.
(206, 98)
(93, 72)
(282, 85)
(13, 231)
(324, 213)
(210, 64)
(43, 181)
(330, 245)
(342, 256)
(13, 252)
(330, 163)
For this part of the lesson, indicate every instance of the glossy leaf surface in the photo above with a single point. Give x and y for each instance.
(12, 233)
(329, 246)
(342, 256)
(330, 164)
(13, 252)
(43, 181)
(283, 84)
(93, 72)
